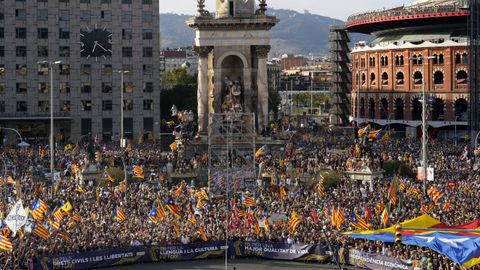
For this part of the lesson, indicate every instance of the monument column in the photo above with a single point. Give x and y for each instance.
(262, 85)
(202, 91)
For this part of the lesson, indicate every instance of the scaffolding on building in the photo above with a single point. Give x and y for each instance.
(231, 151)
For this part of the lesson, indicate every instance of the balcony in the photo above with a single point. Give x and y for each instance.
(34, 116)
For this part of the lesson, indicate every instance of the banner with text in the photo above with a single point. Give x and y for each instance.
(181, 252)
(279, 251)
(378, 262)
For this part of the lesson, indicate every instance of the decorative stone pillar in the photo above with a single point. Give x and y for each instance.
(262, 86)
(202, 91)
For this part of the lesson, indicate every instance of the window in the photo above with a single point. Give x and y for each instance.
(85, 1)
(107, 105)
(86, 69)
(21, 33)
(147, 51)
(64, 87)
(2, 69)
(64, 15)
(106, 87)
(127, 51)
(42, 15)
(384, 78)
(2, 32)
(231, 9)
(42, 33)
(441, 59)
(458, 58)
(364, 78)
(438, 77)
(107, 128)
(148, 124)
(43, 106)
(147, 105)
(148, 87)
(63, 1)
(2, 15)
(126, 34)
(127, 105)
(64, 33)
(86, 126)
(86, 105)
(465, 58)
(147, 2)
(402, 62)
(42, 69)
(42, 88)
(64, 69)
(21, 51)
(2, 105)
(106, 1)
(462, 77)
(372, 79)
(85, 15)
(2, 89)
(22, 106)
(21, 69)
(435, 59)
(400, 78)
(147, 16)
(107, 69)
(86, 88)
(42, 51)
(65, 105)
(2, 51)
(126, 16)
(417, 78)
(147, 34)
(126, 1)
(64, 51)
(21, 87)
(106, 15)
(128, 87)
(147, 69)
(21, 14)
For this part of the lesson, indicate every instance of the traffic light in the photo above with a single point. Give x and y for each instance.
(398, 234)
(98, 157)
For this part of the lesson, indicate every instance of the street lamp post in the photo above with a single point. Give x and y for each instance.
(52, 147)
(16, 131)
(455, 135)
(122, 72)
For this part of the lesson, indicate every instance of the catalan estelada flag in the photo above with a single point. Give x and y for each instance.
(120, 215)
(173, 208)
(283, 193)
(192, 219)
(295, 220)
(161, 211)
(76, 217)
(202, 234)
(106, 177)
(202, 194)
(153, 216)
(248, 201)
(80, 189)
(261, 151)
(179, 190)
(38, 210)
(58, 214)
(385, 217)
(358, 222)
(459, 243)
(65, 236)
(5, 244)
(40, 231)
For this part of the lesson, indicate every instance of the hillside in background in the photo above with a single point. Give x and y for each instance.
(297, 33)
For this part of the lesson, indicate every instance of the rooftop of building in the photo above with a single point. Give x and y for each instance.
(418, 13)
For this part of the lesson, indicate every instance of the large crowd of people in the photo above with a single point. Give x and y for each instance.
(298, 183)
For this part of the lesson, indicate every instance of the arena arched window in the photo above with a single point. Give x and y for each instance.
(397, 60)
(386, 60)
(420, 59)
(462, 77)
(441, 59)
(400, 78)
(416, 109)
(372, 79)
(438, 77)
(417, 78)
(384, 108)
(401, 60)
(465, 58)
(364, 78)
(435, 59)
(382, 61)
(384, 78)
(399, 106)
(458, 58)
(461, 109)
(438, 109)
(371, 109)
(362, 107)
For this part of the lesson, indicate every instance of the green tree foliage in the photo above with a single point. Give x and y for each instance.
(179, 88)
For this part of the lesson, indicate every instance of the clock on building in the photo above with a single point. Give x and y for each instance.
(95, 42)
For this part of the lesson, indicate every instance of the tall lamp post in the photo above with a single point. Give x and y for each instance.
(51, 64)
(122, 72)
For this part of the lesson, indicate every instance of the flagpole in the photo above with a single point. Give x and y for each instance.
(331, 248)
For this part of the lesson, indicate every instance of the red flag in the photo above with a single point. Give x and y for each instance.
(368, 213)
(313, 213)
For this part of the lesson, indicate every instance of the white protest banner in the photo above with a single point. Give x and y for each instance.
(17, 217)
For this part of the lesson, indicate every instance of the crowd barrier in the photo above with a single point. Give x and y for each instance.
(213, 250)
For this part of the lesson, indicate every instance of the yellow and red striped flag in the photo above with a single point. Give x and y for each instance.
(202, 234)
(38, 210)
(161, 211)
(283, 193)
(385, 217)
(173, 208)
(202, 194)
(40, 231)
(295, 220)
(120, 215)
(65, 236)
(5, 243)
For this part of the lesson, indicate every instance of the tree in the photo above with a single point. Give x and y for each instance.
(179, 88)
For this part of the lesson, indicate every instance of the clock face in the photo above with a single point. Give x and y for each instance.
(96, 42)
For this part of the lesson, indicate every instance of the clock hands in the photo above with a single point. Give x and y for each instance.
(97, 44)
(94, 46)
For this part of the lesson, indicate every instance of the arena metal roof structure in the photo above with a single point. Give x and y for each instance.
(422, 12)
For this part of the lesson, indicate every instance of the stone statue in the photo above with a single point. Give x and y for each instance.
(232, 99)
(174, 110)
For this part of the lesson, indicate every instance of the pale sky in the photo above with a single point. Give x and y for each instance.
(338, 9)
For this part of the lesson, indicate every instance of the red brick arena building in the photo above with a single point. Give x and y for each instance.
(416, 46)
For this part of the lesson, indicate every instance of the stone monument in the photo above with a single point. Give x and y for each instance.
(233, 47)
